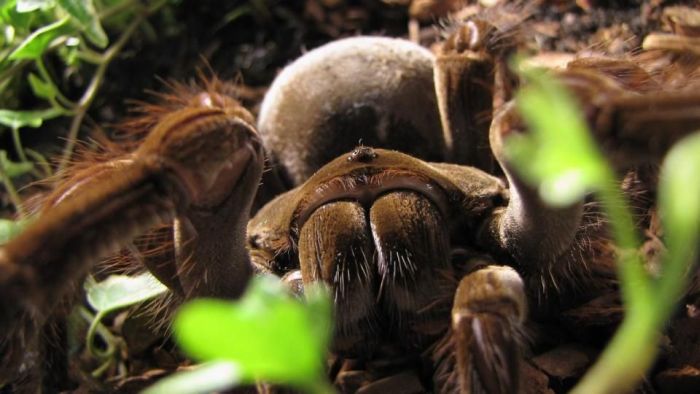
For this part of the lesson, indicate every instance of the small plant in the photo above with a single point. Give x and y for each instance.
(70, 31)
(114, 293)
(267, 336)
(560, 157)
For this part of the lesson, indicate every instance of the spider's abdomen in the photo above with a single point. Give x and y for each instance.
(372, 90)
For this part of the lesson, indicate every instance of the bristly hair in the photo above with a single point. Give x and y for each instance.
(128, 134)
(506, 19)
(178, 95)
(101, 152)
(588, 268)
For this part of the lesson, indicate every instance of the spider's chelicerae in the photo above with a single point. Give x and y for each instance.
(444, 266)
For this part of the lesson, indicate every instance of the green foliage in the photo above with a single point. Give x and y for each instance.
(268, 334)
(35, 45)
(679, 205)
(12, 169)
(559, 156)
(41, 88)
(9, 170)
(115, 293)
(568, 163)
(83, 11)
(679, 195)
(19, 119)
(120, 291)
(209, 377)
(10, 228)
(71, 30)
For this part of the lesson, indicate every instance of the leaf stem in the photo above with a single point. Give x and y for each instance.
(41, 161)
(12, 192)
(18, 65)
(625, 360)
(635, 283)
(96, 327)
(619, 369)
(65, 103)
(88, 55)
(649, 302)
(17, 141)
(116, 9)
(91, 92)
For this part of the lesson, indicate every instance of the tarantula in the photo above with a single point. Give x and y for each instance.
(430, 255)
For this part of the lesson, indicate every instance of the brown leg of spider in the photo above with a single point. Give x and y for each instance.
(464, 84)
(193, 157)
(39, 266)
(642, 129)
(210, 252)
(636, 121)
(487, 316)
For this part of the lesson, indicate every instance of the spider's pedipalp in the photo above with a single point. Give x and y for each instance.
(527, 229)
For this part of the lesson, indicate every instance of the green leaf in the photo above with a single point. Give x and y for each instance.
(9, 15)
(19, 119)
(6, 5)
(10, 228)
(119, 291)
(679, 187)
(632, 350)
(13, 169)
(41, 88)
(679, 205)
(319, 308)
(84, 12)
(558, 152)
(34, 45)
(272, 336)
(210, 377)
(33, 5)
(70, 53)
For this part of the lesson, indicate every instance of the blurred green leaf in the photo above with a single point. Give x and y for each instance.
(18, 119)
(209, 377)
(679, 206)
(319, 308)
(41, 88)
(33, 5)
(558, 152)
(11, 168)
(84, 12)
(272, 336)
(9, 15)
(119, 291)
(7, 8)
(70, 55)
(679, 193)
(34, 45)
(8, 34)
(7, 4)
(10, 228)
